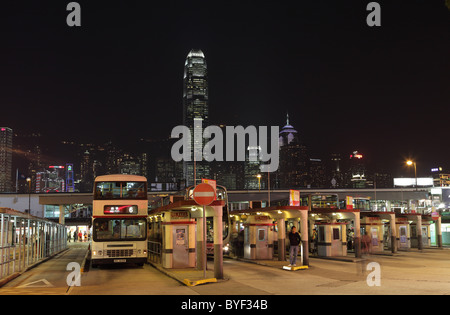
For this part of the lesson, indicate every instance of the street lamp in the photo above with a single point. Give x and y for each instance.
(259, 181)
(409, 163)
(29, 194)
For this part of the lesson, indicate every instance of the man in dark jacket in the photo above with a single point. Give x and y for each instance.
(294, 239)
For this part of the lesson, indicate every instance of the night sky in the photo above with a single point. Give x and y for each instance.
(384, 91)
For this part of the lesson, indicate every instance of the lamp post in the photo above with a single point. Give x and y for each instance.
(259, 181)
(409, 163)
(29, 194)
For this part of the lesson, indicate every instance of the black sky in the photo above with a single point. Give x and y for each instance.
(384, 91)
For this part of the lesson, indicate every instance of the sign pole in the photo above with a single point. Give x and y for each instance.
(204, 242)
(204, 194)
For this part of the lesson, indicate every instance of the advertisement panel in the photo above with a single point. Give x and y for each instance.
(294, 197)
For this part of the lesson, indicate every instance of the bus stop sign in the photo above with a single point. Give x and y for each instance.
(204, 194)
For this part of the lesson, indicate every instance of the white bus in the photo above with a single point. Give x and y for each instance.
(119, 220)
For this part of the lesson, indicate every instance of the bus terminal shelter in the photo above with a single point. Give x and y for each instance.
(179, 225)
(331, 231)
(324, 230)
(266, 227)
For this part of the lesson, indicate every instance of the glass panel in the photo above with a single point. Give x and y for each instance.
(261, 234)
(336, 234)
(119, 229)
(120, 190)
(134, 190)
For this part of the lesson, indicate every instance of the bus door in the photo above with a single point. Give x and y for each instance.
(180, 246)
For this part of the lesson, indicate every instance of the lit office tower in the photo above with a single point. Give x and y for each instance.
(6, 135)
(195, 111)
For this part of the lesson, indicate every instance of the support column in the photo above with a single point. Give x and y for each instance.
(393, 233)
(357, 239)
(218, 242)
(438, 232)
(419, 232)
(61, 214)
(304, 233)
(281, 240)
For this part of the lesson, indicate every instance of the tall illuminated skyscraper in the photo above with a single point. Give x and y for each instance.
(6, 137)
(195, 110)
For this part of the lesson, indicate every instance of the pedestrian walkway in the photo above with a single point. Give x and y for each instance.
(47, 277)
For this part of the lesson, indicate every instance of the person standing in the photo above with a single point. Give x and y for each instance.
(294, 240)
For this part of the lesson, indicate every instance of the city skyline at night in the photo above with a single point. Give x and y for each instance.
(247, 150)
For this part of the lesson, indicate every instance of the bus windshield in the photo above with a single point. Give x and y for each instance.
(120, 190)
(119, 229)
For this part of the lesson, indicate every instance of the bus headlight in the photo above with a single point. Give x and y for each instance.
(226, 248)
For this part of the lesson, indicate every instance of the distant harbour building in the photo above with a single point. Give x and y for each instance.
(6, 139)
(195, 110)
(51, 180)
(357, 171)
(294, 160)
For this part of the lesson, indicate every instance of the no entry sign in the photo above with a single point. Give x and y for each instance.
(204, 194)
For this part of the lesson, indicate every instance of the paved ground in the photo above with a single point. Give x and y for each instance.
(48, 277)
(414, 272)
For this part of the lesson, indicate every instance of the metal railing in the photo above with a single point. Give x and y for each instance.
(26, 240)
(154, 251)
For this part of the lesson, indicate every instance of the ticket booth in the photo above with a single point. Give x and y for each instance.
(258, 237)
(403, 233)
(375, 229)
(425, 232)
(332, 239)
(178, 242)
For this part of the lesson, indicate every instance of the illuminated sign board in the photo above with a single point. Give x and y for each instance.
(294, 197)
(421, 181)
(126, 209)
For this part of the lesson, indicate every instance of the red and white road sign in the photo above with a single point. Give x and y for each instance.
(435, 216)
(204, 194)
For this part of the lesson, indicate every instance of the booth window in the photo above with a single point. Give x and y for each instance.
(336, 234)
(261, 234)
(321, 234)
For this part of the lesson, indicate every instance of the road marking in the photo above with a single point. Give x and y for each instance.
(35, 284)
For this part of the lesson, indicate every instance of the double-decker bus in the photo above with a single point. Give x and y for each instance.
(119, 220)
